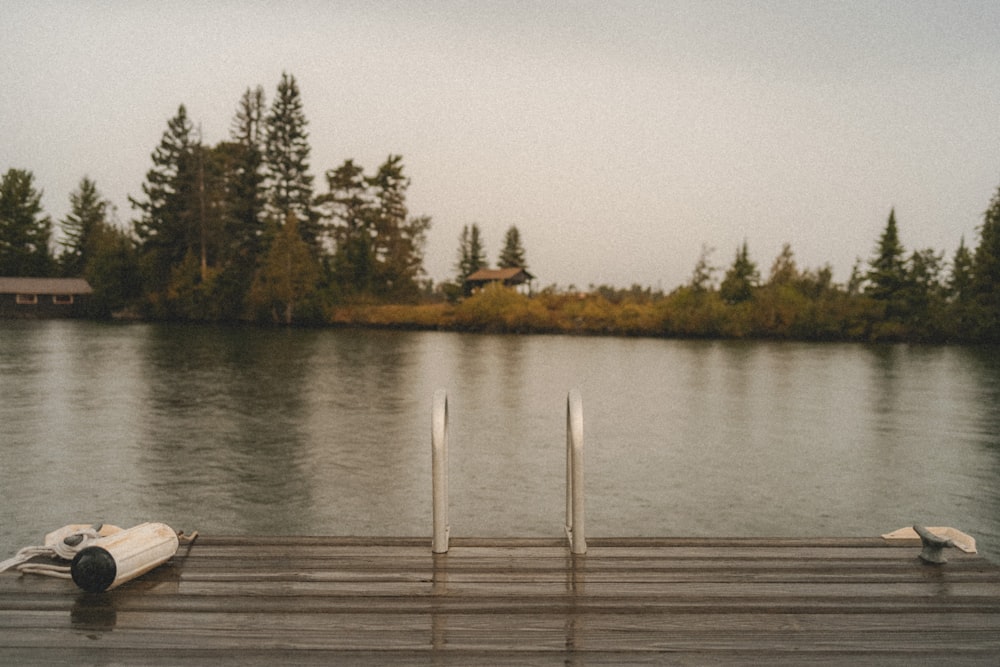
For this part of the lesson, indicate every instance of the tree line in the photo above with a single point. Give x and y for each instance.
(234, 231)
(239, 231)
(895, 295)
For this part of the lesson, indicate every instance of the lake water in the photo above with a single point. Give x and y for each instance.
(249, 431)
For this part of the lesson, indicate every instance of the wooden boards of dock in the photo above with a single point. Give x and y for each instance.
(389, 601)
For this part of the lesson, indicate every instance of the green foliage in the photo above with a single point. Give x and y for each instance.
(471, 253)
(287, 276)
(242, 164)
(24, 232)
(286, 165)
(694, 312)
(986, 275)
(204, 251)
(166, 227)
(924, 296)
(232, 231)
(887, 269)
(112, 269)
(512, 255)
(703, 276)
(500, 309)
(379, 247)
(741, 278)
(88, 211)
(99, 252)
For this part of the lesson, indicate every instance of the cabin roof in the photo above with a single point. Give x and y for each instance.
(44, 286)
(487, 275)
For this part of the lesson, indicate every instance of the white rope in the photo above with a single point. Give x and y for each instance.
(63, 543)
(24, 555)
(60, 571)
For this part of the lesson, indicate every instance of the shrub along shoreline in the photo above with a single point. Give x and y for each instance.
(774, 312)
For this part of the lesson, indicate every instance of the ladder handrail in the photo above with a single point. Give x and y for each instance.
(574, 473)
(439, 471)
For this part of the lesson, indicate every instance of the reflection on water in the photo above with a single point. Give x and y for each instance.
(240, 430)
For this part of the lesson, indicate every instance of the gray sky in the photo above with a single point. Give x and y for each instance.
(618, 136)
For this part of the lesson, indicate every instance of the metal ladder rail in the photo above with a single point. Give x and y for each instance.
(439, 471)
(574, 474)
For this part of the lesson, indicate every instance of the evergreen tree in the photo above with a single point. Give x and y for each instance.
(112, 269)
(288, 182)
(399, 239)
(379, 247)
(88, 212)
(347, 206)
(923, 294)
(959, 323)
(168, 229)
(287, 276)
(784, 270)
(246, 196)
(887, 269)
(960, 281)
(471, 254)
(512, 255)
(986, 274)
(24, 232)
(741, 278)
(856, 281)
(703, 276)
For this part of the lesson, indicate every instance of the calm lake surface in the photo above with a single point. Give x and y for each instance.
(248, 431)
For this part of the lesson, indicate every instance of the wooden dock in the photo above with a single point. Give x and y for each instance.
(390, 601)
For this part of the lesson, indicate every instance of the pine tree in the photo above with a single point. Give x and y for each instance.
(512, 255)
(703, 276)
(379, 247)
(922, 295)
(784, 270)
(24, 232)
(168, 228)
(741, 278)
(471, 254)
(399, 239)
(960, 281)
(887, 269)
(286, 161)
(287, 276)
(246, 196)
(347, 207)
(112, 270)
(88, 212)
(986, 274)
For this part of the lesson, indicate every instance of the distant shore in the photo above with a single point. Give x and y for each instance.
(835, 316)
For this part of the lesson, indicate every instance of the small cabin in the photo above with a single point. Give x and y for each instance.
(43, 297)
(509, 277)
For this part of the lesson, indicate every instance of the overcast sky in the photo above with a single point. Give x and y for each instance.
(618, 136)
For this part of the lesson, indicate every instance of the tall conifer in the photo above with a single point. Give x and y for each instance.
(88, 212)
(471, 254)
(512, 255)
(246, 191)
(286, 161)
(24, 231)
(887, 269)
(986, 274)
(168, 228)
(739, 281)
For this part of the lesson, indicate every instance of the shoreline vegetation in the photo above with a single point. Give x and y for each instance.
(239, 232)
(781, 313)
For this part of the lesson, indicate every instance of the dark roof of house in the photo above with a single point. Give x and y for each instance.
(488, 275)
(44, 286)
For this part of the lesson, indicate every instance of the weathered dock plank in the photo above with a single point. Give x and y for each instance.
(388, 601)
